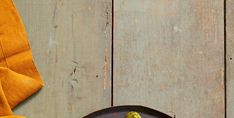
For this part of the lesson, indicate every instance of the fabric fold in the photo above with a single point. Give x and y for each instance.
(19, 77)
(12, 117)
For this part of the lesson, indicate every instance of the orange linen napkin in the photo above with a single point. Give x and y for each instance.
(19, 77)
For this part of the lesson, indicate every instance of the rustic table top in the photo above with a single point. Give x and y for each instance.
(173, 56)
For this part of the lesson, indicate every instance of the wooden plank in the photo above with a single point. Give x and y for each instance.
(168, 55)
(71, 43)
(230, 57)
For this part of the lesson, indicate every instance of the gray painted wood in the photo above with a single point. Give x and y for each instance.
(71, 43)
(168, 55)
(230, 58)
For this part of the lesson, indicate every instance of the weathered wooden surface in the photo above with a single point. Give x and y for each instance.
(71, 42)
(168, 55)
(230, 57)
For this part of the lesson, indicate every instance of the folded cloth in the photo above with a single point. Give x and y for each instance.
(12, 117)
(19, 77)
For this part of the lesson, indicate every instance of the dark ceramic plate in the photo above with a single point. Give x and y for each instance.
(121, 111)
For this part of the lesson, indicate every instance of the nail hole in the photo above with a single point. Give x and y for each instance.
(230, 58)
(96, 76)
(55, 26)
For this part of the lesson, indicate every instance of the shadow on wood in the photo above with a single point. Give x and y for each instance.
(26, 100)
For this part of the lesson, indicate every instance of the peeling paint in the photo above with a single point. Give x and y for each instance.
(105, 70)
(222, 76)
(73, 83)
(107, 19)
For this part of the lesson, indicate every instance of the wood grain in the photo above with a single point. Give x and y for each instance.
(168, 55)
(71, 42)
(230, 57)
